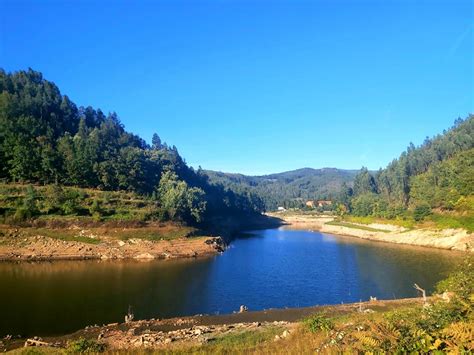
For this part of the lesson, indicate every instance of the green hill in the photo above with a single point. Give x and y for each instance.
(45, 139)
(288, 189)
(435, 180)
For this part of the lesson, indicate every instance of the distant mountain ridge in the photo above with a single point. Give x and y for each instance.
(289, 188)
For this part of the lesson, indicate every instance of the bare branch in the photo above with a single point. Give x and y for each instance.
(423, 292)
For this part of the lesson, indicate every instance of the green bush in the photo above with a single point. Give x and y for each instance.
(29, 206)
(461, 282)
(85, 346)
(53, 198)
(72, 201)
(95, 210)
(421, 211)
(318, 322)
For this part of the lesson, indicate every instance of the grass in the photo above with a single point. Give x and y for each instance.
(444, 221)
(406, 222)
(234, 343)
(37, 351)
(154, 234)
(250, 338)
(355, 226)
(114, 205)
(435, 220)
(61, 234)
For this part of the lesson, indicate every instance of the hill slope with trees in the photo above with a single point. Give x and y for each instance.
(436, 177)
(46, 139)
(288, 189)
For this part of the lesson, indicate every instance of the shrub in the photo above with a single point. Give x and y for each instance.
(29, 207)
(421, 211)
(85, 346)
(318, 322)
(53, 198)
(72, 201)
(95, 210)
(460, 282)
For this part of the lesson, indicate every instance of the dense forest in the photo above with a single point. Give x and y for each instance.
(289, 189)
(436, 176)
(46, 139)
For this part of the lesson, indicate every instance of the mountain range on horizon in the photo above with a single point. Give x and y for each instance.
(289, 188)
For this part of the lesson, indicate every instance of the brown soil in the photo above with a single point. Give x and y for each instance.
(103, 243)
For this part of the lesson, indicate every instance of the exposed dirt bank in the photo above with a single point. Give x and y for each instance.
(103, 243)
(198, 330)
(452, 239)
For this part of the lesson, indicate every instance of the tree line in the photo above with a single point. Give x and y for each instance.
(289, 189)
(438, 174)
(47, 139)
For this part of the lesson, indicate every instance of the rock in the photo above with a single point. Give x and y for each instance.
(277, 337)
(243, 309)
(285, 334)
(144, 256)
(446, 296)
(217, 242)
(129, 317)
(121, 243)
(35, 342)
(168, 340)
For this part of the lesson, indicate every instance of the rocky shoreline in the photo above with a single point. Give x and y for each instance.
(450, 239)
(33, 246)
(183, 332)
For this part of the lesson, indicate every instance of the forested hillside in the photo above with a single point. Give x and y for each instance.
(288, 189)
(437, 176)
(46, 139)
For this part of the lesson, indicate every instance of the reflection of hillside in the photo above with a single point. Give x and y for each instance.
(389, 270)
(61, 296)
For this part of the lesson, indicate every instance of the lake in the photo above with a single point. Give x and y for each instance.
(272, 268)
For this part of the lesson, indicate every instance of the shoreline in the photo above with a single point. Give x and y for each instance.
(34, 244)
(447, 239)
(127, 240)
(165, 334)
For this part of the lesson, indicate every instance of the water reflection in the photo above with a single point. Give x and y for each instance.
(263, 269)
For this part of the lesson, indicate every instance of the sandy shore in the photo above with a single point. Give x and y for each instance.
(451, 239)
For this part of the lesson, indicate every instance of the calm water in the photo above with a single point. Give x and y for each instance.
(264, 269)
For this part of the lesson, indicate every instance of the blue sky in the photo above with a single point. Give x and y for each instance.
(257, 86)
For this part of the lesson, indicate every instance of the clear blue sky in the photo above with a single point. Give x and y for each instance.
(257, 86)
